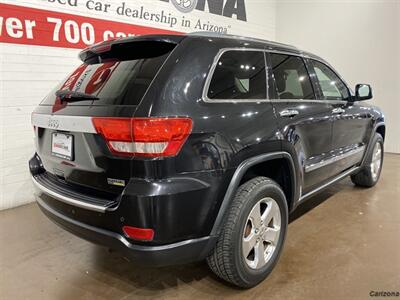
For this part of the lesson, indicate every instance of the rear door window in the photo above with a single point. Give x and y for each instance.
(291, 77)
(239, 75)
(115, 81)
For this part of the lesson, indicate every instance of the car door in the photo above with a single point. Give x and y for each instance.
(350, 119)
(305, 122)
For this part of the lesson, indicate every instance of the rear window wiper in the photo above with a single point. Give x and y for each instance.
(69, 96)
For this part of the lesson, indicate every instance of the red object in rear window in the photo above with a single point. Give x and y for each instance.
(149, 137)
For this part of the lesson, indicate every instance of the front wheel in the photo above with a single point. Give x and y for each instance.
(253, 235)
(369, 174)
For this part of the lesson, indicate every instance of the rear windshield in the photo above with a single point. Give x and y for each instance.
(114, 81)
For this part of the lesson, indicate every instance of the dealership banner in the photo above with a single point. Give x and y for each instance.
(81, 23)
(31, 26)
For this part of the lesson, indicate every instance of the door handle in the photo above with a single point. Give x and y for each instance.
(338, 111)
(288, 113)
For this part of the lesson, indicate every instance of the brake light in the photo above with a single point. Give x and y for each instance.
(150, 137)
(143, 234)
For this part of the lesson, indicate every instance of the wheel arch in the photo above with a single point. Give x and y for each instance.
(381, 129)
(246, 169)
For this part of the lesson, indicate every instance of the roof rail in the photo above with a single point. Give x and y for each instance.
(233, 36)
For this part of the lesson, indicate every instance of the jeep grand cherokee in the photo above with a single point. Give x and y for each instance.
(175, 149)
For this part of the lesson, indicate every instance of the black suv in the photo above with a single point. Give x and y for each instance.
(175, 149)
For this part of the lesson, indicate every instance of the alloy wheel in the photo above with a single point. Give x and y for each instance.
(376, 161)
(261, 233)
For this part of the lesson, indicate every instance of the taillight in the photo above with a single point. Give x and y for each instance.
(150, 137)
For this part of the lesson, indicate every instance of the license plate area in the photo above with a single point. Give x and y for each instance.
(62, 145)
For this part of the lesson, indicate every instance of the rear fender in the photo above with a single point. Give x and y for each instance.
(238, 175)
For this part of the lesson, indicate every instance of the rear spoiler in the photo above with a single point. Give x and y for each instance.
(115, 48)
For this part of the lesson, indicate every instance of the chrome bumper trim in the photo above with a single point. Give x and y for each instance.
(68, 200)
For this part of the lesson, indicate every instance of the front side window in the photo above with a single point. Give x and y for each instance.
(239, 75)
(332, 87)
(291, 77)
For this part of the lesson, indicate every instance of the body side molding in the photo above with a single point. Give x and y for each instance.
(323, 163)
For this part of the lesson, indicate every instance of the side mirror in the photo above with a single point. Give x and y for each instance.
(363, 92)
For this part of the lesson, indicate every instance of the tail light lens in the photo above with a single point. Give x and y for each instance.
(143, 234)
(148, 137)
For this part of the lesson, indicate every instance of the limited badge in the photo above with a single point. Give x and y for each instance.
(117, 182)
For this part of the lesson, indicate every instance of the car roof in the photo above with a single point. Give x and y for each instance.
(260, 43)
(235, 40)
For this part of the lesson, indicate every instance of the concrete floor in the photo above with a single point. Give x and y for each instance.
(344, 247)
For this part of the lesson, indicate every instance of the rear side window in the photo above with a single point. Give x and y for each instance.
(115, 81)
(291, 77)
(332, 86)
(239, 75)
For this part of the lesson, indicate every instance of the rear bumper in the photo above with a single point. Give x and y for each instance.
(170, 254)
(176, 209)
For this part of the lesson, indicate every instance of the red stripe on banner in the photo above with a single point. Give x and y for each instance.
(31, 26)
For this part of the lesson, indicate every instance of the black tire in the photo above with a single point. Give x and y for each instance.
(364, 177)
(226, 260)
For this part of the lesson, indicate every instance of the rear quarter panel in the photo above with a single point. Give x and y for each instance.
(223, 135)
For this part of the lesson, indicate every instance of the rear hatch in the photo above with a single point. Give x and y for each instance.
(111, 82)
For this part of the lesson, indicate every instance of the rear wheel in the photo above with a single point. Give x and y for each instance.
(369, 174)
(251, 240)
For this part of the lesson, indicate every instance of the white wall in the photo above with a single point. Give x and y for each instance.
(361, 39)
(28, 73)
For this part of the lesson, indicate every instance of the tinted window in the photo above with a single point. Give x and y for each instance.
(332, 86)
(291, 77)
(239, 75)
(115, 81)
